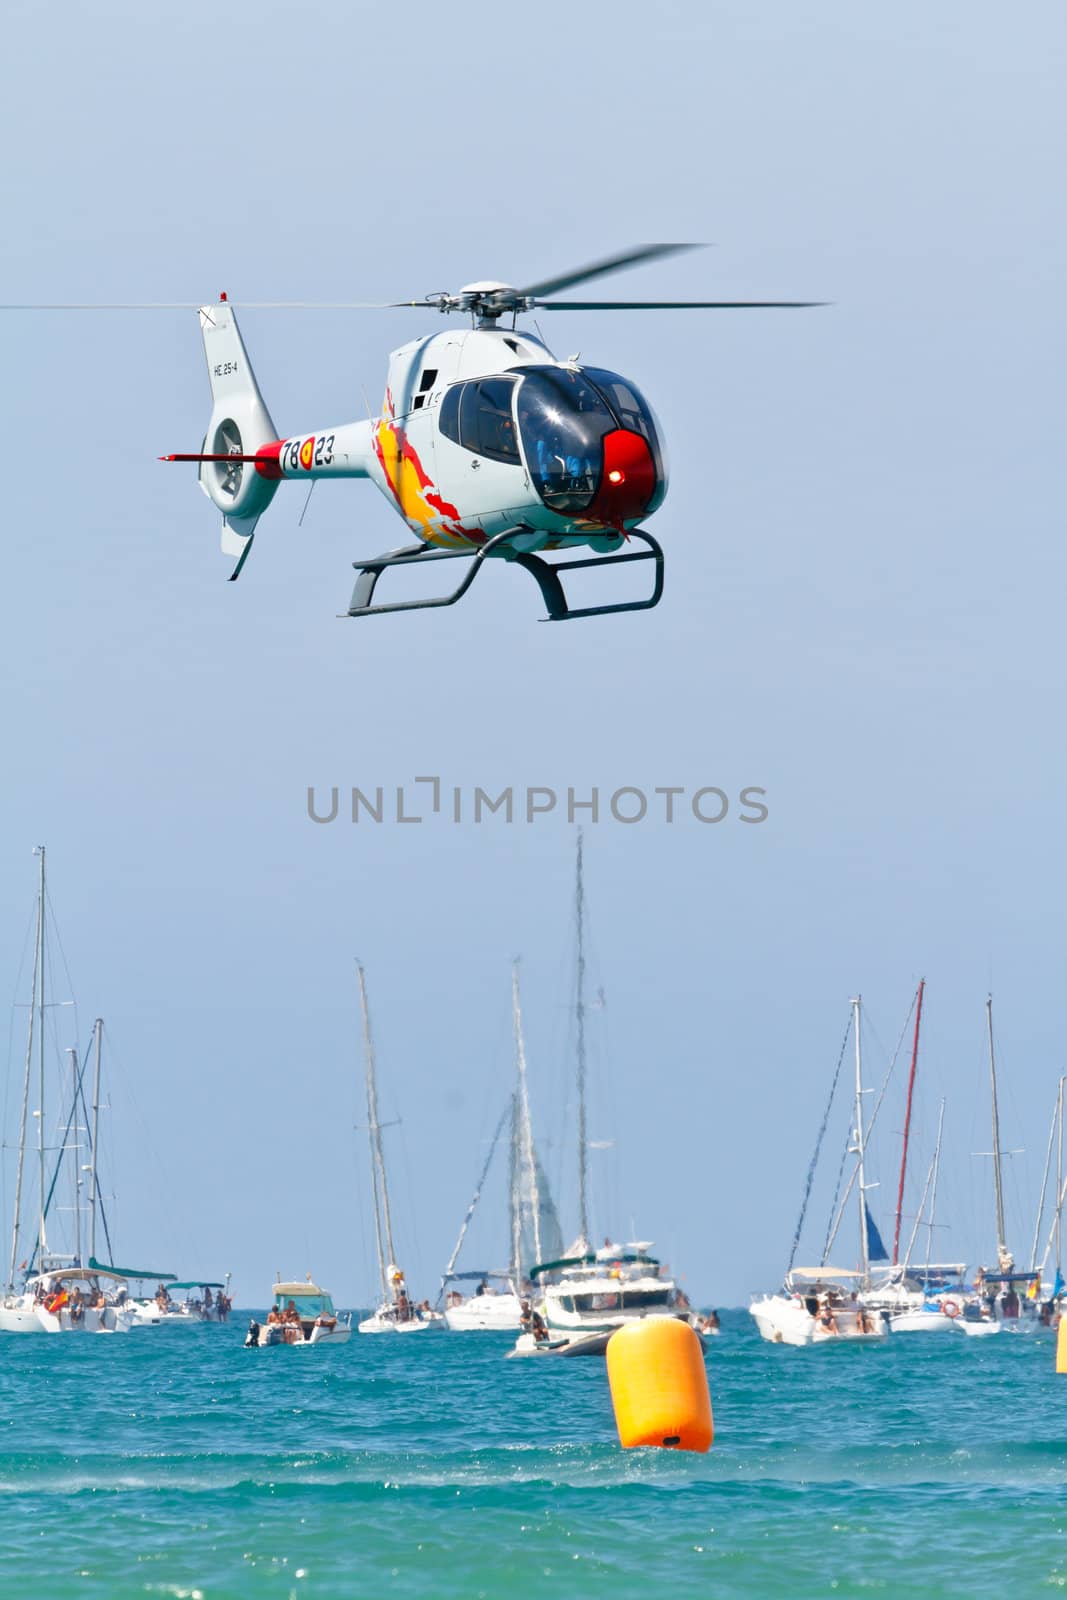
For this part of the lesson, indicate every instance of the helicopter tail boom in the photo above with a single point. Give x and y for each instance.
(239, 427)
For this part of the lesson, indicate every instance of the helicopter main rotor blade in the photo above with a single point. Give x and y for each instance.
(676, 305)
(600, 269)
(194, 305)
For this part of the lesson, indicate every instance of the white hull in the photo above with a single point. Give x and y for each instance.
(485, 1313)
(338, 1335)
(978, 1330)
(386, 1324)
(35, 1319)
(922, 1322)
(781, 1319)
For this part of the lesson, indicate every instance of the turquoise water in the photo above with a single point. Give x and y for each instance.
(174, 1462)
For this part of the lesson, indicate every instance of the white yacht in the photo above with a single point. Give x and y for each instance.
(919, 1299)
(52, 1290)
(600, 1290)
(817, 1305)
(823, 1304)
(496, 1303)
(67, 1299)
(397, 1311)
(588, 1293)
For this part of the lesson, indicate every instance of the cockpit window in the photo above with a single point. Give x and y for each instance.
(562, 420)
(478, 416)
(629, 406)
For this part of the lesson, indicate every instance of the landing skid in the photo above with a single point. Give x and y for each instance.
(545, 573)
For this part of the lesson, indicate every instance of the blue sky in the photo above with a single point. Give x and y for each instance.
(862, 614)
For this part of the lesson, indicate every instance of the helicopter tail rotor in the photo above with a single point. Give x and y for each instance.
(240, 424)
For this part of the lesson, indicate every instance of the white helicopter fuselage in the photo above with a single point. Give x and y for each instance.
(457, 480)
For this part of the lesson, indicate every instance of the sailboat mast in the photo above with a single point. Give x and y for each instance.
(98, 1033)
(933, 1195)
(74, 1086)
(17, 1220)
(1002, 1248)
(907, 1119)
(583, 1202)
(1059, 1187)
(527, 1155)
(860, 1176)
(40, 1068)
(386, 1255)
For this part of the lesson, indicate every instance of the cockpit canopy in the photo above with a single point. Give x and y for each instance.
(559, 416)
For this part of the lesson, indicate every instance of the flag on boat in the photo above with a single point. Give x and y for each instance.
(1034, 1289)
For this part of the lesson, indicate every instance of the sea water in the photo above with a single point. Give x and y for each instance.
(174, 1462)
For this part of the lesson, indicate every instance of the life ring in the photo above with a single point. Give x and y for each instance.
(950, 1308)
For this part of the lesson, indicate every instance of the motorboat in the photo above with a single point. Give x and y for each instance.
(817, 1305)
(301, 1314)
(600, 1290)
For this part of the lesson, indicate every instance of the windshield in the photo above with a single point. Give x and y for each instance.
(631, 408)
(562, 420)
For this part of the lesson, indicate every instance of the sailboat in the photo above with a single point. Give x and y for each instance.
(1010, 1298)
(917, 1299)
(59, 1292)
(822, 1304)
(595, 1291)
(534, 1230)
(397, 1312)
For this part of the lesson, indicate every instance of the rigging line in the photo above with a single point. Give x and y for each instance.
(835, 1214)
(474, 1199)
(51, 917)
(1044, 1190)
(889, 1073)
(818, 1147)
(60, 1157)
(836, 1224)
(99, 1194)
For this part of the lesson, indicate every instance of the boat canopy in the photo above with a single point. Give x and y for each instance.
(196, 1283)
(451, 1277)
(80, 1274)
(293, 1289)
(817, 1274)
(593, 1258)
(129, 1272)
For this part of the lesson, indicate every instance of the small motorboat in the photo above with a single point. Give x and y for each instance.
(302, 1314)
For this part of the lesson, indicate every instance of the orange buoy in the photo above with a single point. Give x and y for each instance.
(1061, 1345)
(659, 1385)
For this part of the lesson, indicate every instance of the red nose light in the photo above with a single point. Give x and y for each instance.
(616, 476)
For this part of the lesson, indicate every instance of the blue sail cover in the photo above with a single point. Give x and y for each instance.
(876, 1250)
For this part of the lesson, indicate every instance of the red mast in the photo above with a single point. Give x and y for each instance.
(907, 1118)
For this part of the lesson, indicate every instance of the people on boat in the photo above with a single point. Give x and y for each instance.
(99, 1300)
(208, 1302)
(827, 1320)
(274, 1317)
(76, 1307)
(531, 1321)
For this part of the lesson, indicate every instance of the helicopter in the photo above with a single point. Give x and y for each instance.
(487, 445)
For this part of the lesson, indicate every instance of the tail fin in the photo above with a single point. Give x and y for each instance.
(240, 424)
